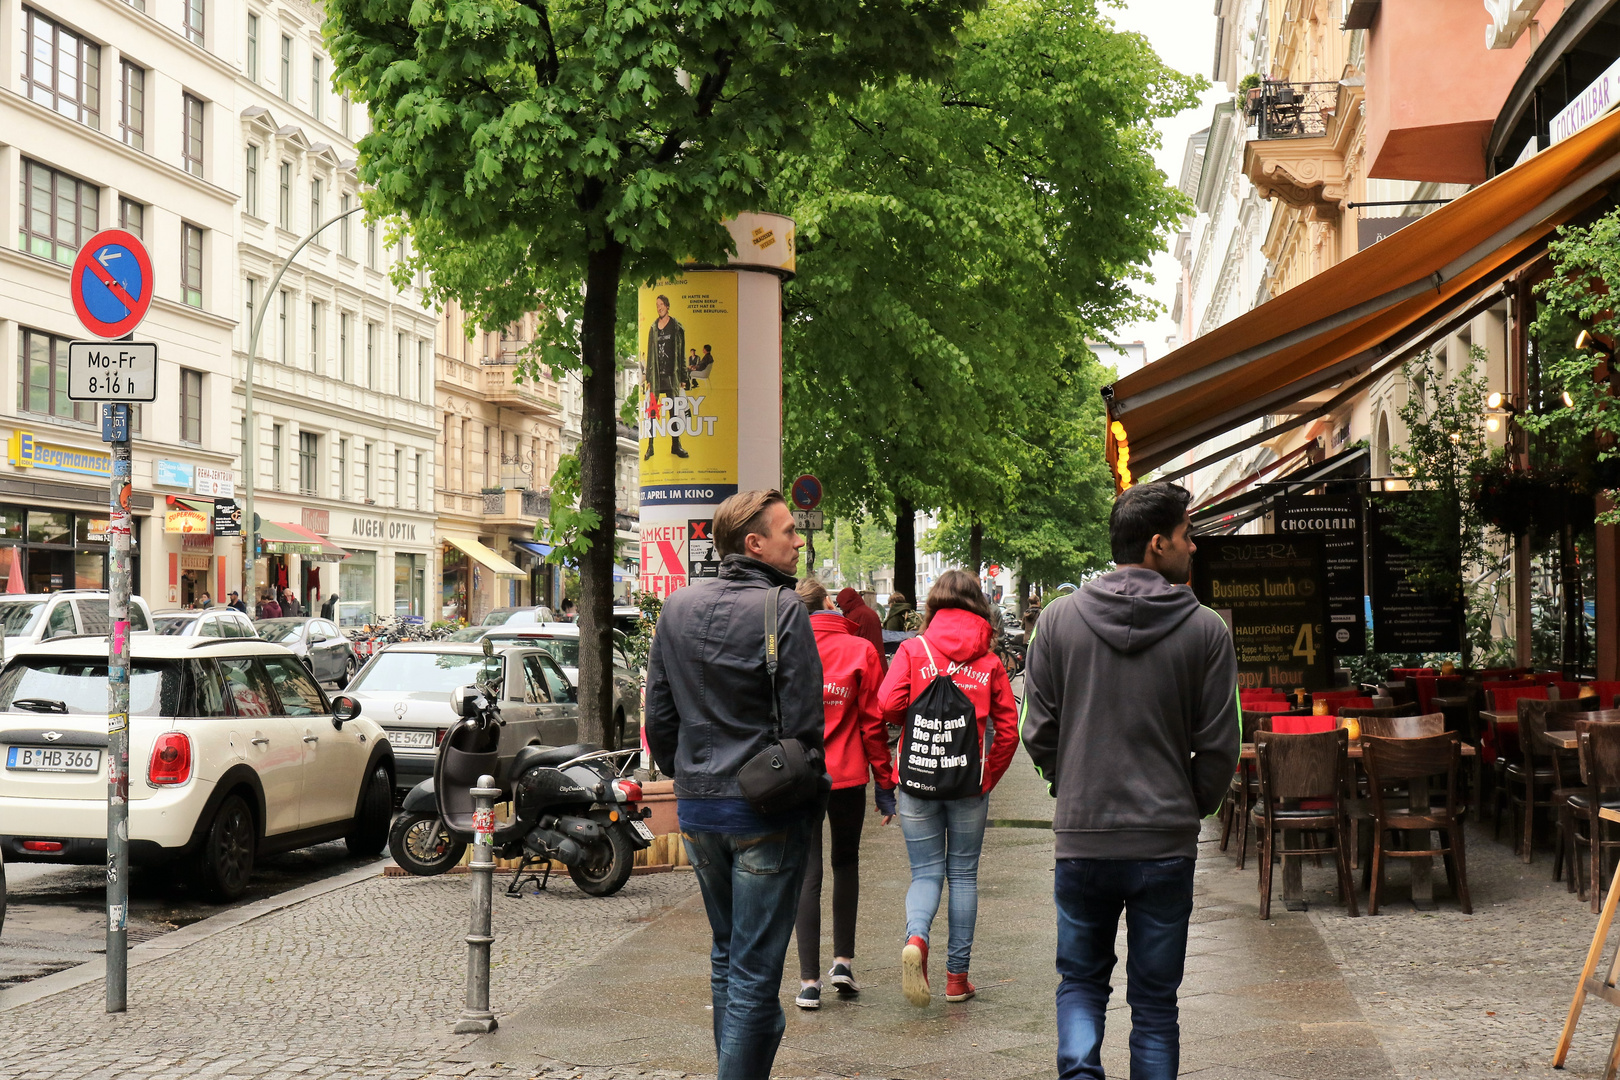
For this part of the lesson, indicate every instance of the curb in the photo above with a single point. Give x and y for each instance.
(158, 948)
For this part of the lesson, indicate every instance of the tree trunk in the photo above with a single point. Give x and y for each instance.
(975, 546)
(905, 549)
(598, 459)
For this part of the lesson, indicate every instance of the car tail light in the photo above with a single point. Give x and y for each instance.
(42, 845)
(439, 734)
(171, 760)
(629, 790)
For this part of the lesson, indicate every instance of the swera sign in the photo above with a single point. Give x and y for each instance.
(112, 371)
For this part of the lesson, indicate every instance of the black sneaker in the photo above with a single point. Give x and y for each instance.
(843, 980)
(809, 997)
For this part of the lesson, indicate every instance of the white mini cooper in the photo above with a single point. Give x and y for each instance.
(234, 752)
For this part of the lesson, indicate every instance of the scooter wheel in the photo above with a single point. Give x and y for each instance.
(422, 845)
(610, 861)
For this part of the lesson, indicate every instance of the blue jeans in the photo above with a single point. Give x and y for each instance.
(943, 841)
(1157, 898)
(750, 889)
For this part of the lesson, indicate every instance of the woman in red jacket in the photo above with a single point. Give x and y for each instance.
(944, 836)
(857, 747)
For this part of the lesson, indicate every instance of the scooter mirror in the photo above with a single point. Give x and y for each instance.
(461, 700)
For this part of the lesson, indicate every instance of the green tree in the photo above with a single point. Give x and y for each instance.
(542, 155)
(958, 239)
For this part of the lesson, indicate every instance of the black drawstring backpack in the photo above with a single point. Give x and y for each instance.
(940, 754)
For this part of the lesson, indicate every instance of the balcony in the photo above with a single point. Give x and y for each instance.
(516, 507)
(1292, 110)
(536, 396)
(1302, 134)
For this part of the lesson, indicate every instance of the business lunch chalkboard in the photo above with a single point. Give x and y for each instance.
(1272, 592)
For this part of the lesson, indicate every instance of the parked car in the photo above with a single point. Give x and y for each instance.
(626, 619)
(29, 618)
(214, 623)
(518, 616)
(318, 643)
(406, 688)
(234, 751)
(561, 640)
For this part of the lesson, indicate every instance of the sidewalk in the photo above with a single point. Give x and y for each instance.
(365, 980)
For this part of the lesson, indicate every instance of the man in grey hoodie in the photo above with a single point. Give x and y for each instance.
(1131, 716)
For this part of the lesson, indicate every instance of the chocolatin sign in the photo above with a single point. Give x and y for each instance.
(1272, 593)
(1336, 521)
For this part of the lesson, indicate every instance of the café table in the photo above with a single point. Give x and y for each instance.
(1416, 840)
(1562, 740)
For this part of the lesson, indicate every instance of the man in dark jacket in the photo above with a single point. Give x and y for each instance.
(867, 623)
(1130, 714)
(664, 373)
(708, 712)
(899, 609)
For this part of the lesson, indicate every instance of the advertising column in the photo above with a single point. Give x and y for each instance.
(710, 348)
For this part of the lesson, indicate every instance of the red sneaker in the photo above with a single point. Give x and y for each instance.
(957, 987)
(914, 971)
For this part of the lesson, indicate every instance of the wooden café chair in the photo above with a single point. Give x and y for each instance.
(1539, 769)
(1598, 754)
(1394, 762)
(1403, 727)
(1302, 789)
(1380, 707)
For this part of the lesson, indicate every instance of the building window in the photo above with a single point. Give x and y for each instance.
(315, 200)
(286, 68)
(314, 336)
(345, 110)
(194, 21)
(399, 365)
(253, 47)
(43, 388)
(399, 479)
(275, 457)
(132, 218)
(316, 90)
(132, 113)
(308, 452)
(58, 213)
(371, 356)
(365, 470)
(191, 243)
(61, 70)
(421, 369)
(284, 325)
(371, 245)
(343, 468)
(284, 197)
(191, 140)
(191, 400)
(344, 365)
(345, 204)
(249, 288)
(250, 190)
(416, 483)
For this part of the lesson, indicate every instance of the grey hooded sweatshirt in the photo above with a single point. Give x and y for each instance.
(1131, 715)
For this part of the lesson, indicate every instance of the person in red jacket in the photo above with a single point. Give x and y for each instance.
(944, 836)
(857, 747)
(867, 623)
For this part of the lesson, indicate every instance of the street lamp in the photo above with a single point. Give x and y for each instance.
(250, 464)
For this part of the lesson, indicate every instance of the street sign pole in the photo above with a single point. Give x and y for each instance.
(115, 429)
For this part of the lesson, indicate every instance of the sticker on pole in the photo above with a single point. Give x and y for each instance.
(112, 284)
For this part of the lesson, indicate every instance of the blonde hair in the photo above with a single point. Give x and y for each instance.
(741, 514)
(813, 593)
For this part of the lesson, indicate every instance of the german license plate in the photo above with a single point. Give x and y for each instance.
(411, 740)
(53, 759)
(641, 829)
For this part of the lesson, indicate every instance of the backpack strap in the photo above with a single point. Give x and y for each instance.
(771, 657)
(931, 661)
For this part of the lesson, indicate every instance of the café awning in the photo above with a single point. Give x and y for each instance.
(470, 546)
(1354, 318)
(285, 538)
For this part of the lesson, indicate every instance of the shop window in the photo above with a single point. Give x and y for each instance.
(89, 530)
(410, 574)
(59, 213)
(62, 70)
(43, 382)
(11, 523)
(357, 585)
(50, 527)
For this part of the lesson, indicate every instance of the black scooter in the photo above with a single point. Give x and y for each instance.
(573, 804)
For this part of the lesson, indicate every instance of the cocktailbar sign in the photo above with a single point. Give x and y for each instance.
(1409, 614)
(1272, 593)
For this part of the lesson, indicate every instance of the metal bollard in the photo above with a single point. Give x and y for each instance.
(476, 1017)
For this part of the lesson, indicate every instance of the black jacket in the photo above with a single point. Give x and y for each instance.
(708, 696)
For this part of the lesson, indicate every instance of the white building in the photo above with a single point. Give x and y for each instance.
(344, 418)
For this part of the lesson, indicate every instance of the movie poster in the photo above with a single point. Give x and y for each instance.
(687, 341)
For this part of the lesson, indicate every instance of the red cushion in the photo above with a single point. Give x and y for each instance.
(1303, 725)
(1354, 703)
(1506, 699)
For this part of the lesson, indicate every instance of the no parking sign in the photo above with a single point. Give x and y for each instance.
(111, 284)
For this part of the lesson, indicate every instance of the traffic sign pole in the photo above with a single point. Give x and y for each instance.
(115, 422)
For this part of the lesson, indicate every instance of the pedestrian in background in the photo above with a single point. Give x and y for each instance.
(234, 602)
(289, 605)
(945, 835)
(204, 601)
(899, 608)
(269, 607)
(329, 607)
(865, 620)
(857, 750)
(709, 712)
(1130, 714)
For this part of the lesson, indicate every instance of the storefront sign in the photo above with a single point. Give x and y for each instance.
(182, 518)
(1337, 521)
(1370, 230)
(215, 483)
(172, 474)
(1600, 95)
(377, 529)
(1272, 592)
(227, 518)
(196, 562)
(1406, 617)
(316, 521)
(202, 543)
(28, 452)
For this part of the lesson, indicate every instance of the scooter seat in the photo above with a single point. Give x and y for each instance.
(531, 756)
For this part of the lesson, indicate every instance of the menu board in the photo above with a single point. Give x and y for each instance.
(1406, 617)
(1272, 592)
(1336, 520)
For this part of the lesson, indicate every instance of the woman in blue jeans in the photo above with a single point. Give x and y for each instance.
(944, 836)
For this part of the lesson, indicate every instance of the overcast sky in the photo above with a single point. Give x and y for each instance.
(1182, 32)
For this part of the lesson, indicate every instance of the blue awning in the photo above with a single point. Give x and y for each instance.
(532, 547)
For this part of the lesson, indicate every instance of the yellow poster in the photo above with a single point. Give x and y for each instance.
(688, 351)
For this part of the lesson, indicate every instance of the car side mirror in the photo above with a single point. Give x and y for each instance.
(462, 700)
(344, 709)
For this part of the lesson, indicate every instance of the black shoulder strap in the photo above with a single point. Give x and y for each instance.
(770, 656)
